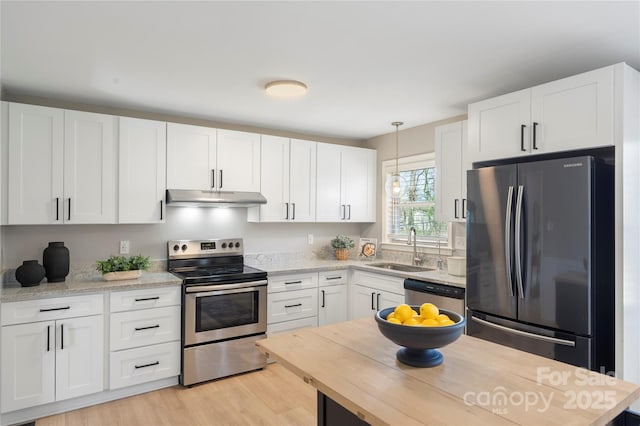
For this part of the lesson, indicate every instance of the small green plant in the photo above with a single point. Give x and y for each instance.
(123, 263)
(342, 241)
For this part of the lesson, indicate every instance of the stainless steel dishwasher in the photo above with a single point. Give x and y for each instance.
(442, 295)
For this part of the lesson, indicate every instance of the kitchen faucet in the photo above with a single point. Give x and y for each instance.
(416, 260)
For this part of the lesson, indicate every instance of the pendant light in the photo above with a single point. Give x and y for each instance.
(395, 185)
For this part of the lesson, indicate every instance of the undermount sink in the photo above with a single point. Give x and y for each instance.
(401, 267)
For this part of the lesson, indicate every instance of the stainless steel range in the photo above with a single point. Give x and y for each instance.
(224, 308)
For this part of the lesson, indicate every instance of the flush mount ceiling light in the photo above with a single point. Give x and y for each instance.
(286, 88)
(395, 185)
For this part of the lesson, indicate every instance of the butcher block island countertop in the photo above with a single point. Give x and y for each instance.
(479, 382)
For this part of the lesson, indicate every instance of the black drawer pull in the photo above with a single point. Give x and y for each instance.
(292, 282)
(322, 298)
(333, 278)
(151, 364)
(522, 127)
(535, 146)
(55, 309)
(61, 337)
(293, 306)
(147, 328)
(48, 338)
(144, 299)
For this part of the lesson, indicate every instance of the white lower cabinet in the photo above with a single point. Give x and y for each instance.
(144, 336)
(53, 356)
(292, 302)
(371, 292)
(332, 297)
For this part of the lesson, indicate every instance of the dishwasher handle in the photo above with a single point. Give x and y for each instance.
(434, 288)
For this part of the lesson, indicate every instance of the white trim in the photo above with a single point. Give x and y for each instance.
(406, 163)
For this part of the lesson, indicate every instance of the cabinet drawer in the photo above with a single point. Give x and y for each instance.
(284, 326)
(279, 283)
(141, 365)
(145, 298)
(379, 281)
(291, 305)
(51, 309)
(332, 277)
(146, 327)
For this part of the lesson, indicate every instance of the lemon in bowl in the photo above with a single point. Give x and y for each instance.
(420, 334)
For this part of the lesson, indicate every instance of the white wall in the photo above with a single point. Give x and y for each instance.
(88, 243)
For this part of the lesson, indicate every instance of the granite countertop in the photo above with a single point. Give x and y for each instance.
(14, 292)
(308, 265)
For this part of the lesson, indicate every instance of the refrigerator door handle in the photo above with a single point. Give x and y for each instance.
(525, 333)
(507, 239)
(518, 248)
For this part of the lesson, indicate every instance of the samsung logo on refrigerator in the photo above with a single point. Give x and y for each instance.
(572, 165)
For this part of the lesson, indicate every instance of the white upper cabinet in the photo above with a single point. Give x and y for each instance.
(451, 171)
(498, 127)
(191, 157)
(346, 178)
(62, 166)
(142, 170)
(214, 160)
(238, 162)
(288, 181)
(572, 113)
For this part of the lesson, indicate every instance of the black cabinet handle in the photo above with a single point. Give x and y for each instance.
(161, 209)
(61, 337)
(293, 215)
(220, 179)
(144, 299)
(535, 146)
(287, 207)
(213, 178)
(293, 306)
(464, 208)
(349, 217)
(55, 309)
(344, 210)
(322, 306)
(69, 216)
(333, 278)
(48, 338)
(373, 295)
(147, 328)
(522, 126)
(292, 282)
(455, 208)
(378, 301)
(57, 208)
(147, 365)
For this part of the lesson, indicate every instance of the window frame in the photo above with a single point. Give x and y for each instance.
(409, 163)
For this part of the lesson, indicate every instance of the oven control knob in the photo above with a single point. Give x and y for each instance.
(224, 245)
(176, 247)
(184, 247)
(237, 245)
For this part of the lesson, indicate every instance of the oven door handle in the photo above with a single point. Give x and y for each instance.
(209, 288)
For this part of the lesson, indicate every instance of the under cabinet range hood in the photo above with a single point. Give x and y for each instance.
(198, 198)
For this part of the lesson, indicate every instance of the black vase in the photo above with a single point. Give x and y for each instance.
(30, 273)
(56, 261)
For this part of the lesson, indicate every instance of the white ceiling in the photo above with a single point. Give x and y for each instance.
(366, 63)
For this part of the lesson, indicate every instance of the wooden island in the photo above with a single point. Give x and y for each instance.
(354, 367)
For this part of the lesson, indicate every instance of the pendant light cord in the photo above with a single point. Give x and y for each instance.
(397, 124)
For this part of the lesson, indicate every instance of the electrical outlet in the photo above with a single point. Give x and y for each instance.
(124, 247)
(309, 239)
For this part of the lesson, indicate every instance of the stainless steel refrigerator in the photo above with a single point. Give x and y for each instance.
(540, 258)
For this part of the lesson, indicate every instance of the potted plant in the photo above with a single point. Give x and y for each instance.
(122, 267)
(342, 244)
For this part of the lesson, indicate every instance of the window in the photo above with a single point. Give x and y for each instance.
(416, 207)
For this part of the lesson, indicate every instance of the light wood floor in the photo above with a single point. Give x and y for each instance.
(273, 396)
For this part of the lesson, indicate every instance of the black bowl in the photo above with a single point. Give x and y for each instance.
(419, 343)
